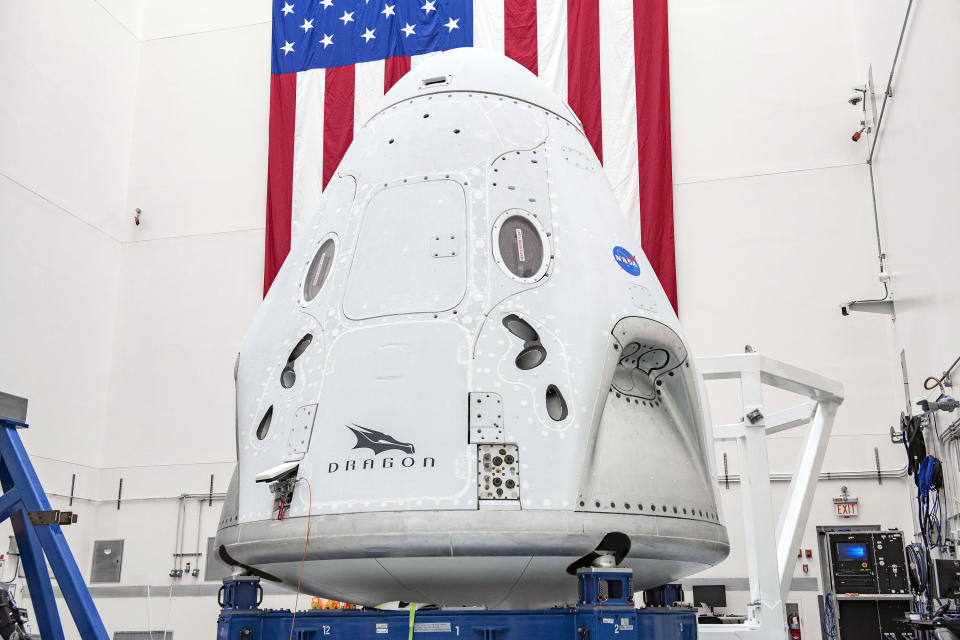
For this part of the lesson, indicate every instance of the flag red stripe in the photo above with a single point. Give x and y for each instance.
(652, 69)
(393, 70)
(520, 32)
(340, 83)
(283, 110)
(583, 68)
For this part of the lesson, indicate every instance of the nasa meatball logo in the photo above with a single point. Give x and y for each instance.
(378, 442)
(626, 260)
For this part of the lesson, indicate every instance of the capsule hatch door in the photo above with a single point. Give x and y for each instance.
(410, 255)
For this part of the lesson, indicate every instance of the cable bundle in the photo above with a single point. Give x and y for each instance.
(828, 624)
(911, 427)
(918, 568)
(929, 480)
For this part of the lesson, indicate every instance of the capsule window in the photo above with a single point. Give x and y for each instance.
(520, 328)
(264, 426)
(531, 357)
(521, 250)
(533, 353)
(301, 347)
(319, 270)
(288, 376)
(556, 405)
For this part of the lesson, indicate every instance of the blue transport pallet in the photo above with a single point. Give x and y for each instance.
(604, 611)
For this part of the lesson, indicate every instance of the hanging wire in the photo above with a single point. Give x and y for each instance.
(304, 559)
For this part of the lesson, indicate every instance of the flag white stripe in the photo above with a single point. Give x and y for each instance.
(367, 91)
(618, 104)
(416, 61)
(307, 147)
(552, 44)
(488, 25)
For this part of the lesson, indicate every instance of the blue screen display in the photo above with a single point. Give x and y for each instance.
(851, 551)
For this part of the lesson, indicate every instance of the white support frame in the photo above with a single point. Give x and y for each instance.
(771, 547)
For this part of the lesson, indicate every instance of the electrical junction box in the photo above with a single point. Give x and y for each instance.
(107, 561)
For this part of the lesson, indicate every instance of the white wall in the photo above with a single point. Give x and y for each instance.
(774, 231)
(166, 109)
(916, 167)
(123, 337)
(65, 130)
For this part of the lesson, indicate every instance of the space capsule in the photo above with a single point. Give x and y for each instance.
(466, 377)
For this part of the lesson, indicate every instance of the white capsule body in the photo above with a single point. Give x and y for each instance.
(467, 367)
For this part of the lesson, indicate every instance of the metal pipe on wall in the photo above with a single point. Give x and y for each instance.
(827, 475)
(183, 529)
(196, 566)
(176, 535)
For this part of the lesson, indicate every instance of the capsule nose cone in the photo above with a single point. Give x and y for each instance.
(473, 70)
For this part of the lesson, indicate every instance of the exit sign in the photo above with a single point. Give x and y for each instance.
(846, 509)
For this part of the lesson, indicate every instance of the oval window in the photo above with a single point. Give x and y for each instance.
(319, 270)
(520, 247)
(264, 427)
(556, 405)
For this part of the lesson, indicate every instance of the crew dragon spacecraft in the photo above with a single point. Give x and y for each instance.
(466, 375)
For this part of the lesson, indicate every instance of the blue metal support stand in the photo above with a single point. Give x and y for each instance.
(604, 611)
(40, 540)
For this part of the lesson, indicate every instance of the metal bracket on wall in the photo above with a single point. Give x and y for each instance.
(876, 457)
(51, 516)
(726, 472)
(869, 306)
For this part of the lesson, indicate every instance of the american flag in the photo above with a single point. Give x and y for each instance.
(334, 59)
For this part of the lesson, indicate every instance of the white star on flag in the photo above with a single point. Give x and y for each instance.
(326, 4)
(287, 47)
(408, 30)
(326, 40)
(452, 24)
(388, 10)
(287, 9)
(307, 25)
(346, 17)
(429, 6)
(368, 35)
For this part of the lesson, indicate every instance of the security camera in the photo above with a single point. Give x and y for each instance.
(943, 403)
(859, 93)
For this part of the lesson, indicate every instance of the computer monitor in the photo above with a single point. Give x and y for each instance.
(851, 551)
(712, 595)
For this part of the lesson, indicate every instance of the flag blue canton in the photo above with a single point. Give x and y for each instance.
(316, 34)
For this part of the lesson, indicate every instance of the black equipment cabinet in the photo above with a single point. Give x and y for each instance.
(869, 583)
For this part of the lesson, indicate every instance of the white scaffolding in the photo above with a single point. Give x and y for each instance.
(771, 547)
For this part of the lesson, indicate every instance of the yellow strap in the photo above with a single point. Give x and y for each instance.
(413, 613)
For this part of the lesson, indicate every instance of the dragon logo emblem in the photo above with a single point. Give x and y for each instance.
(377, 441)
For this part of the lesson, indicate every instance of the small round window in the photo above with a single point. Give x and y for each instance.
(319, 270)
(520, 246)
